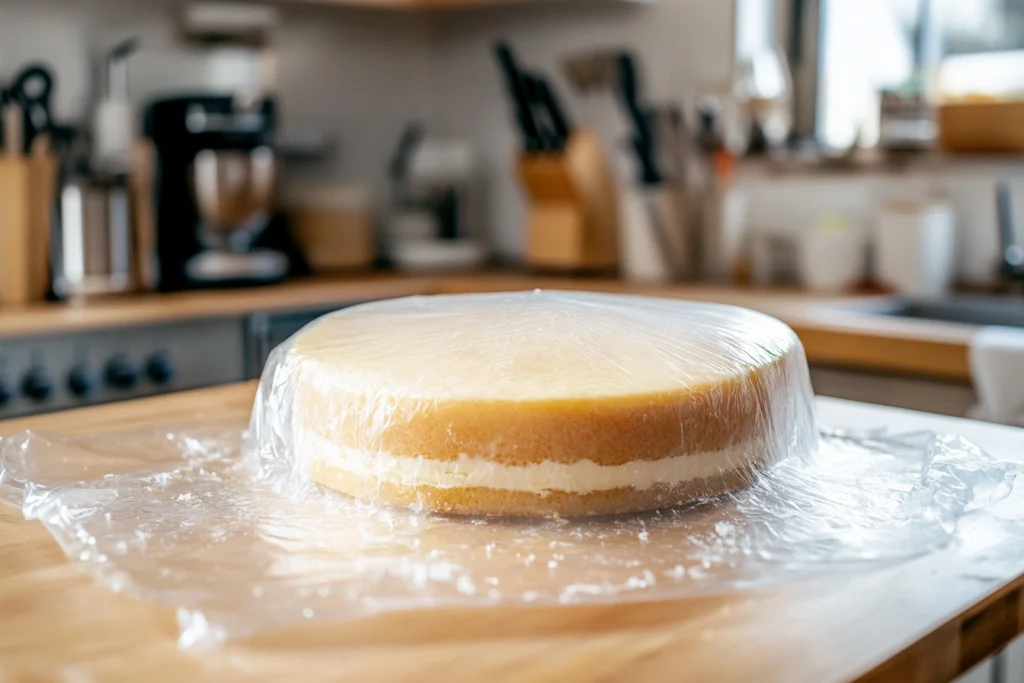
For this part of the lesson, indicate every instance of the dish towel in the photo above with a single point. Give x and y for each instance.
(996, 356)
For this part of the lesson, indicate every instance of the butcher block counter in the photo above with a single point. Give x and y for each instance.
(830, 334)
(925, 619)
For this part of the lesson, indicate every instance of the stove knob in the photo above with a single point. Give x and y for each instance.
(120, 373)
(160, 369)
(36, 385)
(6, 394)
(81, 381)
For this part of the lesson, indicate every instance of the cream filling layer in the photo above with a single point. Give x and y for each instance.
(584, 476)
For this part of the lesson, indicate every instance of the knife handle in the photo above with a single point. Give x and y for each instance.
(517, 88)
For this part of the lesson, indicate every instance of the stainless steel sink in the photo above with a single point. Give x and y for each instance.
(971, 310)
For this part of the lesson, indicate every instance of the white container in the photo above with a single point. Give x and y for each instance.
(644, 250)
(915, 246)
(333, 225)
(832, 254)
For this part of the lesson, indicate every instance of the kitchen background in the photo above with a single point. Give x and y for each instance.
(831, 147)
(358, 76)
(850, 166)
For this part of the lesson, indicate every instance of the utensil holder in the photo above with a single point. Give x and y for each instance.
(573, 221)
(27, 186)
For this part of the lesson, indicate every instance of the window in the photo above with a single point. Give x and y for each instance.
(845, 52)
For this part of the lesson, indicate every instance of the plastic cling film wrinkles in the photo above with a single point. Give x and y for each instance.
(536, 403)
(173, 514)
(696, 421)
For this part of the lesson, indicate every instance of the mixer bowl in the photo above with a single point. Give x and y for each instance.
(234, 191)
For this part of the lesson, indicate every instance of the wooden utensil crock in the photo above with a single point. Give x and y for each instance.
(27, 186)
(573, 221)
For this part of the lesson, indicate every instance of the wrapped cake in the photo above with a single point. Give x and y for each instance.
(534, 403)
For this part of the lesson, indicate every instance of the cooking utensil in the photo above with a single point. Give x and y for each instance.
(671, 142)
(642, 141)
(32, 91)
(114, 117)
(646, 250)
(94, 238)
(398, 169)
(517, 89)
(543, 101)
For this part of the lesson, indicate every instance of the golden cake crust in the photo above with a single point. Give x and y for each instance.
(608, 431)
(486, 382)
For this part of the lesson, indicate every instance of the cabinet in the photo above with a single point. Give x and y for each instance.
(912, 393)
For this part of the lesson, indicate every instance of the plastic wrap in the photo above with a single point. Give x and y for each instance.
(173, 514)
(226, 525)
(534, 403)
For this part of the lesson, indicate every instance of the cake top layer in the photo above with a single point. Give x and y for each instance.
(536, 346)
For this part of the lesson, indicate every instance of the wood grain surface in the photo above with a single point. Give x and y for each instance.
(833, 330)
(923, 620)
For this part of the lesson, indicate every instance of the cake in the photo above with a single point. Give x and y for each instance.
(542, 403)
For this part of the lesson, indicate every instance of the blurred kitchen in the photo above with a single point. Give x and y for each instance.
(185, 184)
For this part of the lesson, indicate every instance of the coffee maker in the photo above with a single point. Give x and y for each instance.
(216, 174)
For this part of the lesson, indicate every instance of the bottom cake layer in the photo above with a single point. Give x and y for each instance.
(484, 501)
(478, 486)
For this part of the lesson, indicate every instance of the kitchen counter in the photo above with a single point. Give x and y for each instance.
(831, 336)
(926, 619)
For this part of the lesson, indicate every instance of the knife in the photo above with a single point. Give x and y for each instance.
(32, 91)
(643, 140)
(514, 80)
(543, 96)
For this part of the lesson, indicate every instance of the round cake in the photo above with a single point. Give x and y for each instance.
(542, 403)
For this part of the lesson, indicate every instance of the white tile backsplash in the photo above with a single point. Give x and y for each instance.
(784, 204)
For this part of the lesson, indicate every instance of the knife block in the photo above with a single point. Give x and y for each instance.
(573, 220)
(27, 186)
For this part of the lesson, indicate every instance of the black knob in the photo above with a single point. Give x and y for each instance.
(81, 381)
(159, 368)
(120, 373)
(6, 394)
(36, 385)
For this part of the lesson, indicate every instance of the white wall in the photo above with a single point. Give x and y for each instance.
(358, 75)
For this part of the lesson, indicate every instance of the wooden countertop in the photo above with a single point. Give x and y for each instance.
(830, 335)
(926, 619)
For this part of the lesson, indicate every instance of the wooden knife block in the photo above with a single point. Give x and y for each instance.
(27, 186)
(573, 222)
